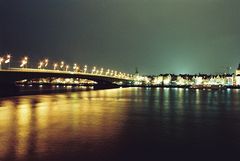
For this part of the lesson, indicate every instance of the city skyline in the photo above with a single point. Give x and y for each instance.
(155, 36)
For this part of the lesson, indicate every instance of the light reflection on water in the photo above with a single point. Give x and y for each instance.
(93, 125)
(29, 124)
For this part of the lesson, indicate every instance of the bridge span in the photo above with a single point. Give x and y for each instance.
(9, 77)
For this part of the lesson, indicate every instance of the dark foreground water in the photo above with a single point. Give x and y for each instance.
(122, 125)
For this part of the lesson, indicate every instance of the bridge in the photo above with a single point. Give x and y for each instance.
(18, 74)
(106, 79)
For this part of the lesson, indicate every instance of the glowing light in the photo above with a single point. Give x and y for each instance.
(93, 70)
(198, 80)
(40, 65)
(85, 69)
(74, 66)
(238, 80)
(55, 66)
(67, 66)
(97, 71)
(1, 60)
(167, 80)
(62, 64)
(8, 59)
(107, 72)
(24, 62)
(46, 63)
(77, 69)
(101, 71)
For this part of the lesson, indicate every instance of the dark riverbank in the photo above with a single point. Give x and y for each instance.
(48, 88)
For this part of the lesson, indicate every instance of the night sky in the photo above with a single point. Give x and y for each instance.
(157, 36)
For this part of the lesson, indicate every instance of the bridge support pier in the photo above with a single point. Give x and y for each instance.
(105, 85)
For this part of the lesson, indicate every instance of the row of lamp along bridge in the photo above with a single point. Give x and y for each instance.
(62, 66)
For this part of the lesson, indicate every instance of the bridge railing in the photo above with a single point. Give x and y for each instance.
(60, 67)
(30, 70)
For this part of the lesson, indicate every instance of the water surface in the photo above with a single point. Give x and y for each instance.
(121, 124)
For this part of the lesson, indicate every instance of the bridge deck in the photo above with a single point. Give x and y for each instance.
(16, 74)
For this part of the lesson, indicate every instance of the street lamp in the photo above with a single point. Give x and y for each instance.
(108, 71)
(85, 69)
(40, 65)
(97, 71)
(1, 60)
(24, 62)
(62, 64)
(8, 60)
(67, 67)
(46, 63)
(55, 66)
(75, 67)
(93, 70)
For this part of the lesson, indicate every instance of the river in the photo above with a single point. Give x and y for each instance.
(121, 124)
